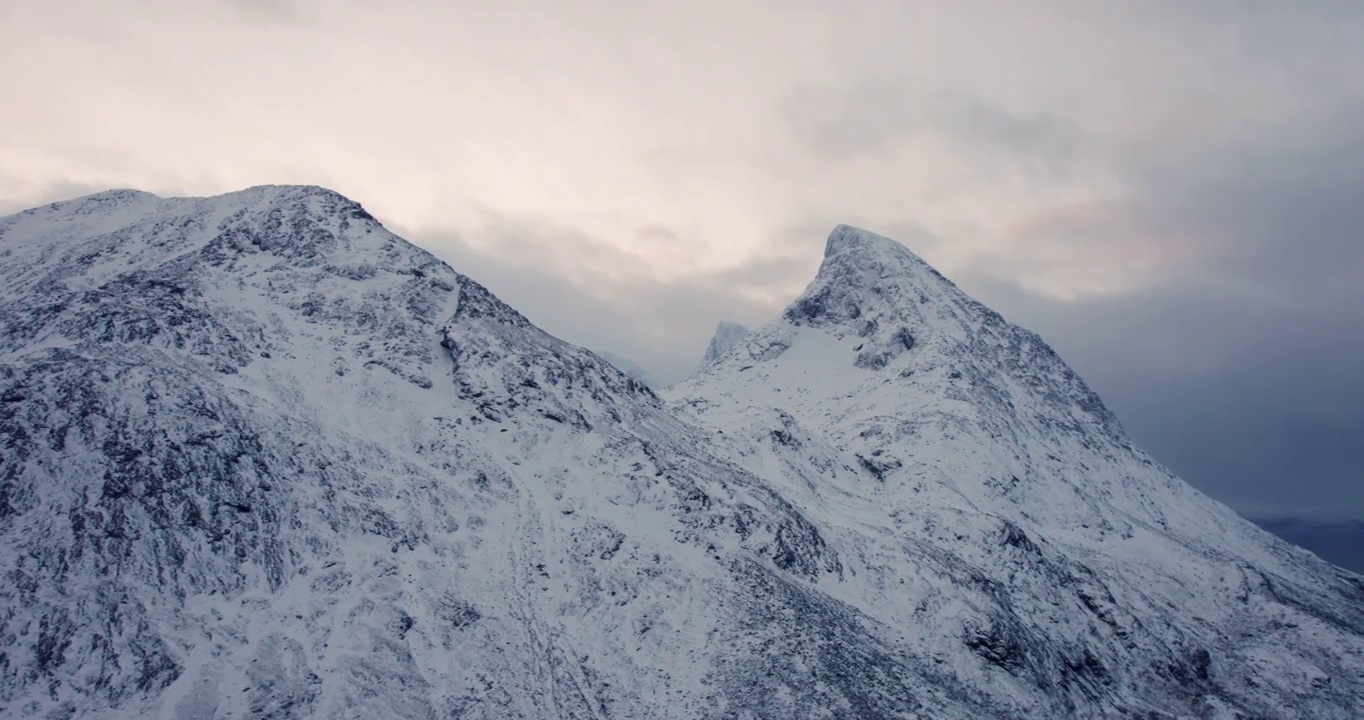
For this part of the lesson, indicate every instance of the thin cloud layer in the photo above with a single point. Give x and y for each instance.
(1169, 191)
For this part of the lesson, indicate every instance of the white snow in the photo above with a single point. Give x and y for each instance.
(267, 459)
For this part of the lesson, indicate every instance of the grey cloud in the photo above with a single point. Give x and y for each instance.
(1259, 408)
(596, 295)
(284, 12)
(780, 272)
(869, 118)
(1292, 222)
(1239, 367)
(657, 233)
(1042, 142)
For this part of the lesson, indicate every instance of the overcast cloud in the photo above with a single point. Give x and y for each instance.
(1170, 192)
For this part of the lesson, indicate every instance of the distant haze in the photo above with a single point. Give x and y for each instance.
(1172, 193)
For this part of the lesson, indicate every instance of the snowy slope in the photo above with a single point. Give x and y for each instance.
(992, 509)
(265, 459)
(727, 335)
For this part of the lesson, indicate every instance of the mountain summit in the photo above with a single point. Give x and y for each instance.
(263, 458)
(727, 335)
(859, 264)
(994, 499)
(847, 238)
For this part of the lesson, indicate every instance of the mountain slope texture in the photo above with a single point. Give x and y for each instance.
(264, 459)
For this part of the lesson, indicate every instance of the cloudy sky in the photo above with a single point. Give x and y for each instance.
(1170, 192)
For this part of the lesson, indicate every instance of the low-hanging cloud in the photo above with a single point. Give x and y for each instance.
(868, 120)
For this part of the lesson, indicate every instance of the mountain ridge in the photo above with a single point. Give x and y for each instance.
(910, 384)
(266, 459)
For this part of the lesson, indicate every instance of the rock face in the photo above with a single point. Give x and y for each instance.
(727, 335)
(262, 458)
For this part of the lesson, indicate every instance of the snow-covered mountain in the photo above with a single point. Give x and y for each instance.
(262, 458)
(727, 335)
(994, 513)
(629, 367)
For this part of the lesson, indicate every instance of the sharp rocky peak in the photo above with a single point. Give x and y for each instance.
(847, 238)
(727, 335)
(890, 312)
(849, 246)
(864, 273)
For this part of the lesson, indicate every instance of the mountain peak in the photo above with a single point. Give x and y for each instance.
(117, 194)
(99, 203)
(869, 248)
(289, 192)
(846, 238)
(727, 335)
(863, 270)
(861, 257)
(878, 307)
